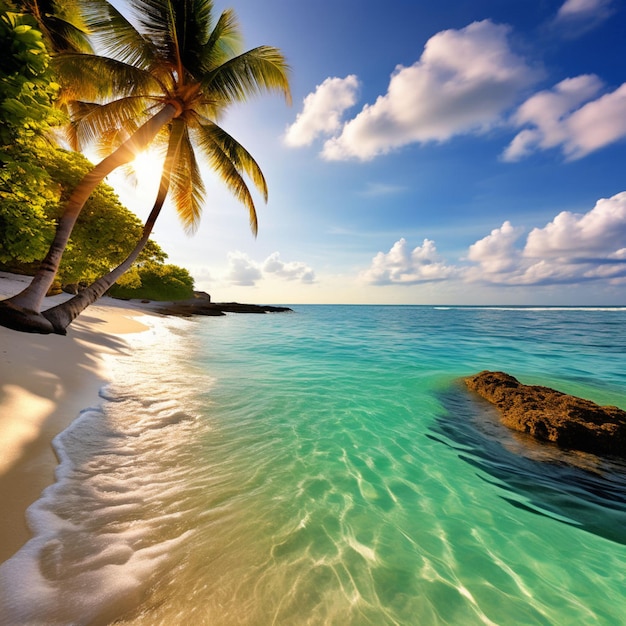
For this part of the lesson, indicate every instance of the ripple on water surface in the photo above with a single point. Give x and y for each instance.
(316, 468)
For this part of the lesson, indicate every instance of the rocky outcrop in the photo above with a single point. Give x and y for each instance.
(201, 306)
(550, 415)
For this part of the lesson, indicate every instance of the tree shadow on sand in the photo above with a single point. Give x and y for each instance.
(575, 488)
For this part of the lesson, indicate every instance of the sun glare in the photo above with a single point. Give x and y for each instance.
(147, 167)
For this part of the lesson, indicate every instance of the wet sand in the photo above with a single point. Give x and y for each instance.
(45, 381)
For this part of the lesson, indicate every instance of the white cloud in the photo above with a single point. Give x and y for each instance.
(496, 254)
(599, 234)
(463, 82)
(294, 270)
(583, 9)
(323, 110)
(402, 266)
(572, 248)
(245, 272)
(567, 117)
(577, 17)
(598, 124)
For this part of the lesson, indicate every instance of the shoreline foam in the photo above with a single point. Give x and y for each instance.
(45, 382)
(97, 543)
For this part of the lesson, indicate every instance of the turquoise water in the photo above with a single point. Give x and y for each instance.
(328, 467)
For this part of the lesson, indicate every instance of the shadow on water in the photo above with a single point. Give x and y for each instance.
(579, 489)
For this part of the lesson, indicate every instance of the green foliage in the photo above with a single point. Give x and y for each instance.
(27, 92)
(27, 85)
(27, 201)
(60, 23)
(34, 185)
(105, 231)
(36, 177)
(158, 282)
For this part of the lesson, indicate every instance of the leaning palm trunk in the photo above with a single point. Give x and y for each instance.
(181, 59)
(23, 311)
(62, 315)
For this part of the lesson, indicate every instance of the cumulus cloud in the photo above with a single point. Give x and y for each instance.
(403, 266)
(598, 234)
(572, 248)
(463, 82)
(323, 110)
(294, 270)
(242, 270)
(570, 117)
(245, 272)
(496, 254)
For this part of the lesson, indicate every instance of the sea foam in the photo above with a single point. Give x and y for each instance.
(110, 524)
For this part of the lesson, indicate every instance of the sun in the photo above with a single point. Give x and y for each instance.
(147, 167)
(137, 183)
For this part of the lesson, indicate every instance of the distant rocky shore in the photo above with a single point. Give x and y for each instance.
(201, 304)
(549, 415)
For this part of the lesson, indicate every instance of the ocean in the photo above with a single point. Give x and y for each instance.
(329, 467)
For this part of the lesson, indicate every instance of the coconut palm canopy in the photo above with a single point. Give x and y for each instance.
(61, 24)
(177, 56)
(165, 77)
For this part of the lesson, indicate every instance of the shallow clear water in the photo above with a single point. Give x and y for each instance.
(328, 467)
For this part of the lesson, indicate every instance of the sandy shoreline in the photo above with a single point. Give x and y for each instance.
(45, 381)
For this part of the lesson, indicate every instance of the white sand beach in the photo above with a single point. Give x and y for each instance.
(45, 381)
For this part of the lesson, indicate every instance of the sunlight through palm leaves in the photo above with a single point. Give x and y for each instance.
(165, 81)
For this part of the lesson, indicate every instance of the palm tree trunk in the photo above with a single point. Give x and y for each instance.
(22, 311)
(62, 315)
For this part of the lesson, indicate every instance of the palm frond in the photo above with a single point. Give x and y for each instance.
(230, 160)
(112, 138)
(116, 35)
(209, 108)
(211, 137)
(157, 20)
(95, 77)
(224, 43)
(200, 18)
(65, 36)
(260, 69)
(69, 10)
(106, 125)
(173, 136)
(186, 185)
(72, 132)
(60, 23)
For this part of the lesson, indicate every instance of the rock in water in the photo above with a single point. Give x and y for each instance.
(550, 415)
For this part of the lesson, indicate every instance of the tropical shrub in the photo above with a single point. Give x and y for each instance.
(158, 282)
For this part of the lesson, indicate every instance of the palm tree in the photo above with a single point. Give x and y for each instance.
(169, 79)
(60, 23)
(63, 314)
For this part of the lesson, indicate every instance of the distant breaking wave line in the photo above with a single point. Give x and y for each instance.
(529, 308)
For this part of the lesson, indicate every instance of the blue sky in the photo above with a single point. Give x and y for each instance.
(435, 153)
